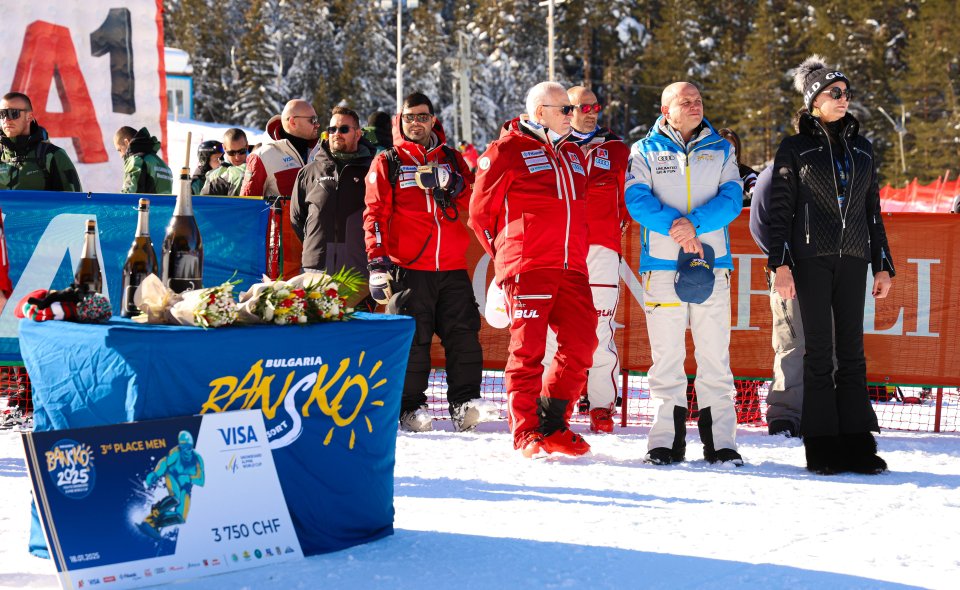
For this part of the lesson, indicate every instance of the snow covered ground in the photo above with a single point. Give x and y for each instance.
(471, 513)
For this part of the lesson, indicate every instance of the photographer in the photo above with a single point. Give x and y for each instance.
(416, 246)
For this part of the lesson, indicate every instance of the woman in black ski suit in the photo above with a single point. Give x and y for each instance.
(826, 227)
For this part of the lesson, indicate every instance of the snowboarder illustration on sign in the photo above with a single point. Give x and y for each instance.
(181, 469)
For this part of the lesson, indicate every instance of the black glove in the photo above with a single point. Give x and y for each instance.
(381, 282)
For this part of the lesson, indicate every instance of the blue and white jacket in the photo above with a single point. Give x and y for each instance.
(667, 180)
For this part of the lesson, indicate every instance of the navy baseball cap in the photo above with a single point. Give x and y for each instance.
(694, 280)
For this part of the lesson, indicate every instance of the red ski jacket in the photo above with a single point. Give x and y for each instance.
(606, 160)
(528, 207)
(402, 221)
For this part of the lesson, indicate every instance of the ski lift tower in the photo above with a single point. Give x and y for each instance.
(401, 4)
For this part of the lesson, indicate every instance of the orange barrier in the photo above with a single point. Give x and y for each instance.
(911, 336)
(936, 197)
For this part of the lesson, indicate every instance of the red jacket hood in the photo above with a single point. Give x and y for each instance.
(399, 139)
(513, 126)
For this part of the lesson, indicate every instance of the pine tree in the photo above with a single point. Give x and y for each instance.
(365, 41)
(930, 93)
(259, 65)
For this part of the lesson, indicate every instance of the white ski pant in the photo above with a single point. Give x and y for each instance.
(603, 379)
(709, 322)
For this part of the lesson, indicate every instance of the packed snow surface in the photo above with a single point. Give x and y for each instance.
(472, 513)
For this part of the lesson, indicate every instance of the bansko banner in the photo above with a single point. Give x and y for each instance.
(146, 503)
(44, 234)
(89, 68)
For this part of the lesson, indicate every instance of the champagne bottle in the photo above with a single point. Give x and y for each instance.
(182, 252)
(141, 260)
(88, 273)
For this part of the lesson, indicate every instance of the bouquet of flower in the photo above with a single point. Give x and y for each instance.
(273, 302)
(310, 297)
(208, 308)
(326, 295)
(154, 301)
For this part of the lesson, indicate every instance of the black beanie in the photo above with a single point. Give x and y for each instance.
(812, 76)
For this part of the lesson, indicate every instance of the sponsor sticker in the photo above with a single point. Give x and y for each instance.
(532, 153)
(577, 168)
(602, 163)
(484, 163)
(408, 183)
(602, 153)
(541, 167)
(533, 161)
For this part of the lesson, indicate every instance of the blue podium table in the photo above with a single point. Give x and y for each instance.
(329, 393)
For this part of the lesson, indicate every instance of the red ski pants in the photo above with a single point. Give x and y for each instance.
(538, 299)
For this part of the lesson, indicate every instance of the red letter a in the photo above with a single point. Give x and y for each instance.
(48, 54)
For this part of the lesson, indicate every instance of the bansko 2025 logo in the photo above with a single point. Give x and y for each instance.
(340, 394)
(70, 467)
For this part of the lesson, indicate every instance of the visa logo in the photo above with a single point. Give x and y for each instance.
(238, 435)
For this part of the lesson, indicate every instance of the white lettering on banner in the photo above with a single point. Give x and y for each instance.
(923, 295)
(923, 304)
(745, 293)
(744, 263)
(62, 235)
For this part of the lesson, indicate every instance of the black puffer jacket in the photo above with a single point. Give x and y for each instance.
(326, 209)
(805, 217)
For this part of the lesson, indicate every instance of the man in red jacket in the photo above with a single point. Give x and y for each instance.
(605, 158)
(272, 169)
(529, 212)
(417, 246)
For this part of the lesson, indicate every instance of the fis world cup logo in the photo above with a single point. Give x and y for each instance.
(70, 467)
(303, 385)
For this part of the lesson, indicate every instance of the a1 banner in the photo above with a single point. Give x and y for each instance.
(150, 502)
(89, 68)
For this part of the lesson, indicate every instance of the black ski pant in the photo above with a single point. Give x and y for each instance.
(442, 302)
(831, 291)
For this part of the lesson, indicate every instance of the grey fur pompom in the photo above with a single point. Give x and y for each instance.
(811, 64)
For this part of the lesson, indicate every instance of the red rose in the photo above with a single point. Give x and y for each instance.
(286, 303)
(331, 292)
(300, 293)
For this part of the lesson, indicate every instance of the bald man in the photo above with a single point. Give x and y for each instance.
(272, 169)
(683, 187)
(605, 158)
(529, 213)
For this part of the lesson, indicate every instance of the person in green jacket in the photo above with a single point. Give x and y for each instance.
(228, 178)
(28, 161)
(144, 171)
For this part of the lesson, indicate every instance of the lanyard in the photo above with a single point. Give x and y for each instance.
(843, 176)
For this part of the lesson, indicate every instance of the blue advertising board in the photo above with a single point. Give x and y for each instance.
(329, 394)
(168, 499)
(44, 233)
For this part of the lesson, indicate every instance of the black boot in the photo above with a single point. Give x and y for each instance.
(860, 450)
(825, 454)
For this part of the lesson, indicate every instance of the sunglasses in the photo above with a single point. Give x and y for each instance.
(566, 109)
(342, 130)
(418, 117)
(12, 114)
(239, 152)
(314, 120)
(836, 92)
(586, 108)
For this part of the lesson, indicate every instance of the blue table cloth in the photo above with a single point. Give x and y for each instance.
(329, 393)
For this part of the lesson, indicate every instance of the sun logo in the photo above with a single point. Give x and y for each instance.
(334, 407)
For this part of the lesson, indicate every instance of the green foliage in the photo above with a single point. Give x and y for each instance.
(250, 56)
